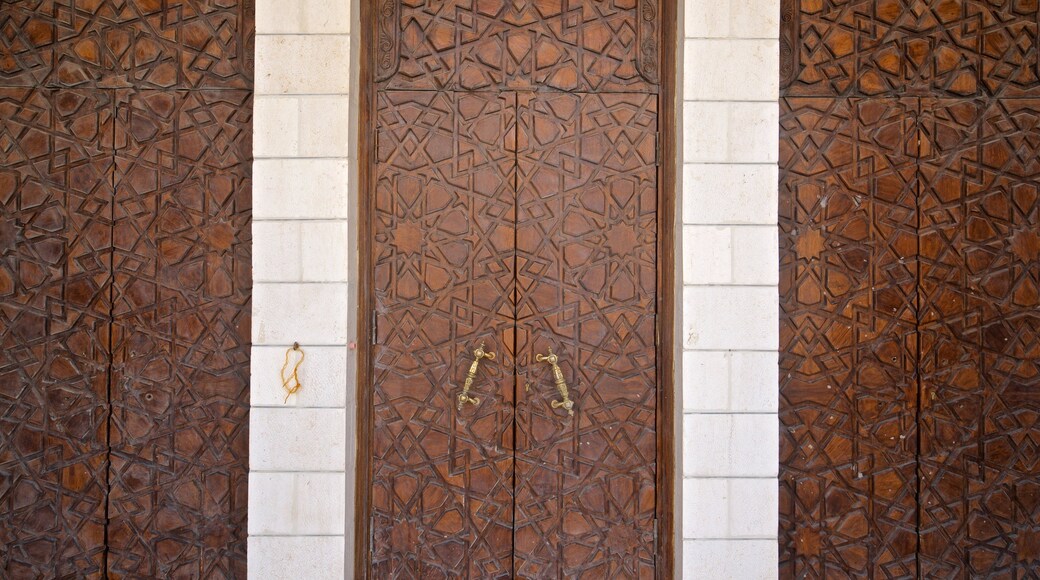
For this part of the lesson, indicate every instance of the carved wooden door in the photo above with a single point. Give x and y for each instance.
(125, 203)
(910, 281)
(514, 212)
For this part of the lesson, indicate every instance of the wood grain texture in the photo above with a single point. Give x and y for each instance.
(592, 195)
(443, 254)
(587, 288)
(124, 287)
(55, 282)
(930, 48)
(980, 338)
(181, 334)
(174, 44)
(591, 45)
(848, 384)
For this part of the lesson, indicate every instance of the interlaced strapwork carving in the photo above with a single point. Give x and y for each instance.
(586, 288)
(443, 252)
(123, 43)
(931, 47)
(180, 384)
(55, 278)
(593, 45)
(848, 279)
(980, 339)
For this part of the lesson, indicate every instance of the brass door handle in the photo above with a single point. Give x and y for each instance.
(471, 375)
(561, 384)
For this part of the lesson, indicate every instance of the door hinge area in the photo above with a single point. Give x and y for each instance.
(374, 327)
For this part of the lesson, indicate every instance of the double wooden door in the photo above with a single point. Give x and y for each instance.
(514, 289)
(910, 291)
(125, 148)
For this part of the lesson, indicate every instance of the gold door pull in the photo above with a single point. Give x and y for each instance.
(561, 384)
(471, 375)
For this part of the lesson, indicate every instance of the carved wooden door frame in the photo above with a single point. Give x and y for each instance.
(666, 290)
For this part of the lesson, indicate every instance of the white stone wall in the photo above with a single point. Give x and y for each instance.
(730, 312)
(300, 455)
(302, 452)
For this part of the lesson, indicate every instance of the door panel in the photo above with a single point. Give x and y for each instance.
(128, 43)
(980, 338)
(443, 251)
(55, 259)
(181, 334)
(602, 45)
(586, 288)
(848, 188)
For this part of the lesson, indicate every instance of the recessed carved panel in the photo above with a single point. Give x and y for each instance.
(848, 283)
(55, 281)
(443, 253)
(181, 312)
(980, 338)
(594, 45)
(113, 43)
(928, 47)
(586, 273)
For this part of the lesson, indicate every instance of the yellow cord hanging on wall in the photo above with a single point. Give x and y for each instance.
(291, 383)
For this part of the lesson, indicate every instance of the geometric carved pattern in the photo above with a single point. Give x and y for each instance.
(443, 252)
(593, 45)
(963, 72)
(847, 326)
(174, 44)
(511, 212)
(957, 251)
(55, 280)
(896, 47)
(587, 288)
(180, 342)
(980, 338)
(124, 287)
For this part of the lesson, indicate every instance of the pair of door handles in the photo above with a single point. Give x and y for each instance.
(551, 358)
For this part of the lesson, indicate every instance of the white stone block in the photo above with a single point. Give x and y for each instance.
(707, 18)
(716, 193)
(715, 508)
(325, 250)
(742, 132)
(298, 64)
(296, 558)
(276, 126)
(730, 559)
(707, 255)
(756, 258)
(310, 504)
(301, 188)
(730, 381)
(306, 313)
(731, 69)
(323, 375)
(730, 318)
(732, 18)
(716, 445)
(276, 251)
(303, 17)
(297, 439)
(325, 126)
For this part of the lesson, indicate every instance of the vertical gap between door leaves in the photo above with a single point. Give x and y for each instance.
(918, 129)
(111, 327)
(516, 317)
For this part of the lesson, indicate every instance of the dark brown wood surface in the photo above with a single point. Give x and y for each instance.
(909, 234)
(443, 253)
(524, 216)
(125, 150)
(55, 281)
(586, 288)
